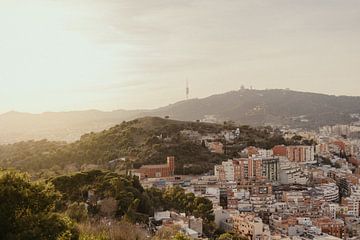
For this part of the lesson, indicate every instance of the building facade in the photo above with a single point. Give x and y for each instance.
(158, 170)
(245, 169)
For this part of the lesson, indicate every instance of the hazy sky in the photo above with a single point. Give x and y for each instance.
(107, 54)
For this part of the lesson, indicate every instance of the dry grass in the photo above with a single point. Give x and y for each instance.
(112, 230)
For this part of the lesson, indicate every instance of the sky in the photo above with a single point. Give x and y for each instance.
(138, 54)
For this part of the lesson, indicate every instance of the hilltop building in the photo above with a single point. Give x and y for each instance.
(215, 147)
(158, 170)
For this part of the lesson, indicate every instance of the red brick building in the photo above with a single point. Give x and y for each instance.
(280, 150)
(158, 170)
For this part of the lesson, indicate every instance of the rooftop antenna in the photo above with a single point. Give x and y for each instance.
(187, 90)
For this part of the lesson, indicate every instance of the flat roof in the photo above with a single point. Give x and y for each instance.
(154, 166)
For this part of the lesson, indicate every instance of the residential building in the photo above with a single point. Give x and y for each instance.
(250, 226)
(334, 227)
(246, 169)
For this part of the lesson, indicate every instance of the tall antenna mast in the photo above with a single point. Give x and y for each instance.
(187, 90)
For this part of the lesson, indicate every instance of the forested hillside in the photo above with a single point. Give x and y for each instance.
(132, 201)
(141, 141)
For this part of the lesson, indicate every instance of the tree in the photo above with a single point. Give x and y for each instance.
(204, 209)
(27, 210)
(176, 198)
(225, 236)
(77, 211)
(166, 233)
(180, 236)
(108, 207)
(231, 236)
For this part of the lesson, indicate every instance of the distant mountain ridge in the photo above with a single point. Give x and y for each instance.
(274, 107)
(253, 107)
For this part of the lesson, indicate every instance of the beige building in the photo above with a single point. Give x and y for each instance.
(216, 147)
(301, 154)
(250, 226)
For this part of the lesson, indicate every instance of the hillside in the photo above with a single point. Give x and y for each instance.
(268, 107)
(252, 107)
(142, 141)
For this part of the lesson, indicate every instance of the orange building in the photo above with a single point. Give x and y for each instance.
(251, 151)
(280, 150)
(216, 147)
(158, 170)
(300, 153)
(295, 153)
(244, 169)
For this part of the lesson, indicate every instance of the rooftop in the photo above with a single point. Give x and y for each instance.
(154, 166)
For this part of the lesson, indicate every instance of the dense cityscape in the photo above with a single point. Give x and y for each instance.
(287, 192)
(304, 184)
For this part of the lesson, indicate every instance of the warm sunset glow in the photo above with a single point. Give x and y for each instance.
(77, 54)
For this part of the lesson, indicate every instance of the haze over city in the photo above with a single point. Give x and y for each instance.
(179, 119)
(71, 55)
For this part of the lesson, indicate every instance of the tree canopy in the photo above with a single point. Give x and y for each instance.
(27, 210)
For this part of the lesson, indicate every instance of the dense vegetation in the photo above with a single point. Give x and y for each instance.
(142, 141)
(36, 210)
(30, 155)
(132, 202)
(94, 205)
(122, 197)
(27, 210)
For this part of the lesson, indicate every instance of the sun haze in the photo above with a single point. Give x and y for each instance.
(77, 54)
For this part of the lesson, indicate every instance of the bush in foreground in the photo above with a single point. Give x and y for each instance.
(27, 210)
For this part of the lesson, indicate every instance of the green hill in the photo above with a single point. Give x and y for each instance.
(142, 141)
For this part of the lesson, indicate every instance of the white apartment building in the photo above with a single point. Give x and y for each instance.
(264, 153)
(330, 191)
(291, 173)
